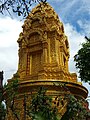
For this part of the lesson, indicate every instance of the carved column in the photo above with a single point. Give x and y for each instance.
(67, 65)
(45, 44)
(49, 56)
(28, 64)
(57, 51)
(61, 56)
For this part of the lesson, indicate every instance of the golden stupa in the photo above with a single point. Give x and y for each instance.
(44, 55)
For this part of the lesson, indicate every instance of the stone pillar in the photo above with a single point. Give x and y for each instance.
(45, 52)
(49, 55)
(61, 56)
(67, 65)
(57, 51)
(30, 65)
(1, 79)
(1, 85)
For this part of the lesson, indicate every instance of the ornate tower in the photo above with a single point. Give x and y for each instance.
(44, 54)
(43, 47)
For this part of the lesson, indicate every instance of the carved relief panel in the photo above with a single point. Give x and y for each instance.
(33, 38)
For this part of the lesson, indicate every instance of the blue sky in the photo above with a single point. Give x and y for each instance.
(75, 15)
(75, 12)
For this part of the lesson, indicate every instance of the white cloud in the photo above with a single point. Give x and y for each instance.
(85, 26)
(75, 39)
(9, 32)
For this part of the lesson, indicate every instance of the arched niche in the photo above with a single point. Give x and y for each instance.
(34, 37)
(36, 22)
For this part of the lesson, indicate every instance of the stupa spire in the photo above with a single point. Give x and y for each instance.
(43, 46)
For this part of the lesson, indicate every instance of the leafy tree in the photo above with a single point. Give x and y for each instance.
(10, 91)
(82, 59)
(21, 7)
(75, 109)
(41, 107)
(2, 111)
(2, 107)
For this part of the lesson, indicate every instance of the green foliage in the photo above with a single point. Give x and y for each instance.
(11, 89)
(2, 111)
(41, 107)
(82, 59)
(21, 7)
(2, 106)
(75, 109)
